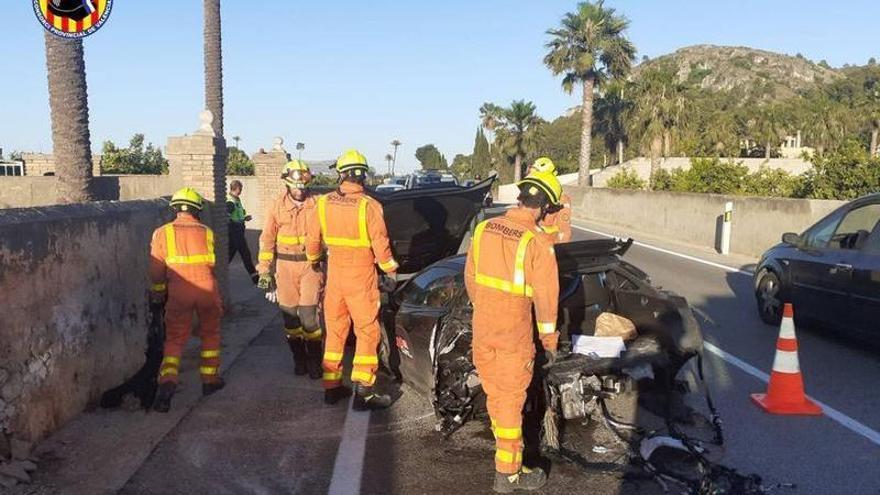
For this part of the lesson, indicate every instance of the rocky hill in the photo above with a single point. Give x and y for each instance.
(760, 73)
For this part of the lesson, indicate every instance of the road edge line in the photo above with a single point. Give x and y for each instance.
(833, 414)
(671, 253)
(349, 465)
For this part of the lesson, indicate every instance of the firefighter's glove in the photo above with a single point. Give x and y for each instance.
(387, 284)
(549, 358)
(318, 267)
(266, 282)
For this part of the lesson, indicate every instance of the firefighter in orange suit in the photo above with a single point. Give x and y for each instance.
(352, 226)
(511, 267)
(182, 277)
(296, 284)
(557, 221)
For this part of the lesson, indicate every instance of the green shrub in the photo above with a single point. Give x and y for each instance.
(772, 183)
(663, 180)
(710, 175)
(626, 179)
(847, 174)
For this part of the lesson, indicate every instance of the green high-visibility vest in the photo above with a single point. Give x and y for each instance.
(238, 212)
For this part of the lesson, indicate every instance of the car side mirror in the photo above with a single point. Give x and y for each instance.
(792, 239)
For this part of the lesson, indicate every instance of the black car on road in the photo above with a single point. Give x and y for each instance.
(830, 273)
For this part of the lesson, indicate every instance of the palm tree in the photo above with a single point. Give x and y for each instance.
(612, 108)
(396, 143)
(389, 158)
(299, 148)
(236, 140)
(588, 48)
(513, 127)
(658, 104)
(69, 107)
(214, 64)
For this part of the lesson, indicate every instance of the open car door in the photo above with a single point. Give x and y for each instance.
(428, 225)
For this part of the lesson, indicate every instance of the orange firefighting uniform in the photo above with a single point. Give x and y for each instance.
(352, 227)
(181, 263)
(510, 267)
(283, 240)
(558, 224)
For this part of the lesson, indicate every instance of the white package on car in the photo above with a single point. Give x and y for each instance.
(597, 347)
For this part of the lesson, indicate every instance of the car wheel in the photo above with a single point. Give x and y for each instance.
(769, 296)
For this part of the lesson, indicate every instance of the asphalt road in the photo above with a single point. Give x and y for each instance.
(269, 432)
(818, 454)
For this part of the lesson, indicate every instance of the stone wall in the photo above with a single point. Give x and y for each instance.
(74, 290)
(758, 223)
(27, 192)
(40, 164)
(642, 167)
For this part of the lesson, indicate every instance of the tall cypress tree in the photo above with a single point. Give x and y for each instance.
(482, 161)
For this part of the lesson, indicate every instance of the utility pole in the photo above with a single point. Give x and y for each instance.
(396, 143)
(299, 148)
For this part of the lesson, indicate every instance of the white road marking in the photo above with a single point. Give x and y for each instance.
(349, 466)
(842, 419)
(672, 253)
(835, 415)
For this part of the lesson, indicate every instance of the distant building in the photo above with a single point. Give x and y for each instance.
(792, 147)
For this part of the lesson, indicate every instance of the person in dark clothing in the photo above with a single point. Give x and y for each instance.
(237, 218)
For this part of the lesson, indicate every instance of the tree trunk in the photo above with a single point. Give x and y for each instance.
(767, 151)
(586, 134)
(656, 149)
(667, 143)
(69, 108)
(214, 64)
(620, 151)
(517, 168)
(874, 144)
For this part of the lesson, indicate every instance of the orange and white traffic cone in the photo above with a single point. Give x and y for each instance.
(785, 394)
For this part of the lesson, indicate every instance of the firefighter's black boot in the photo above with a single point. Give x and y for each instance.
(334, 395)
(163, 397)
(298, 349)
(526, 480)
(366, 398)
(211, 387)
(314, 357)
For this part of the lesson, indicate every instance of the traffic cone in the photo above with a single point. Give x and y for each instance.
(785, 394)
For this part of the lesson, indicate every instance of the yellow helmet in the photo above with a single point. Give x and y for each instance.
(187, 199)
(296, 174)
(544, 164)
(544, 182)
(352, 161)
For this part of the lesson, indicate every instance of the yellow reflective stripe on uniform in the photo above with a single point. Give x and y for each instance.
(266, 256)
(362, 241)
(159, 287)
(508, 433)
(362, 222)
(333, 356)
(389, 266)
(294, 332)
(314, 335)
(314, 257)
(291, 240)
(550, 229)
(168, 371)
(332, 376)
(508, 457)
(171, 360)
(363, 376)
(208, 370)
(518, 285)
(197, 259)
(210, 354)
(546, 328)
(365, 360)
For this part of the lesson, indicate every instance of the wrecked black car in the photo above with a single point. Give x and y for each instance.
(427, 344)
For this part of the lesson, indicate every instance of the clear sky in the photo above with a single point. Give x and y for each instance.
(339, 74)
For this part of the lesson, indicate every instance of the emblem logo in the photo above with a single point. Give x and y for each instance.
(72, 18)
